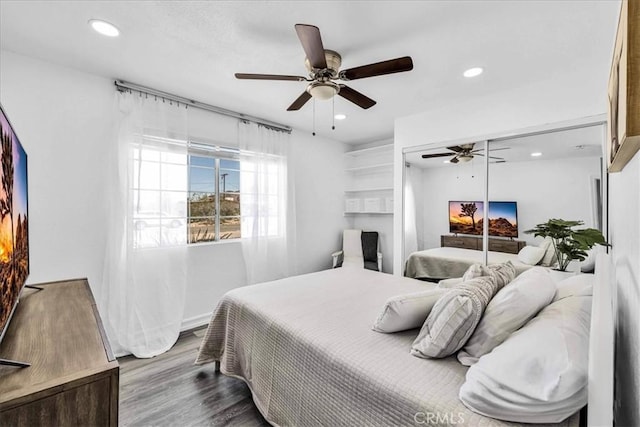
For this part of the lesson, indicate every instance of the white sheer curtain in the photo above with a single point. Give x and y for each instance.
(410, 212)
(145, 274)
(266, 204)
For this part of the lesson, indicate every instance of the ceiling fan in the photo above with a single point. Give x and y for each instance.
(464, 153)
(323, 66)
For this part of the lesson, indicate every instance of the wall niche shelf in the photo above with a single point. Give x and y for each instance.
(368, 190)
(367, 213)
(371, 168)
(372, 150)
(369, 181)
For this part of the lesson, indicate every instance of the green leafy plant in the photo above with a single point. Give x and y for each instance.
(569, 244)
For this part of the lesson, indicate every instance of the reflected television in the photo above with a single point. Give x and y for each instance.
(466, 217)
(14, 221)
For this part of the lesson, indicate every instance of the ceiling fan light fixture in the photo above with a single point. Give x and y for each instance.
(323, 90)
(465, 158)
(340, 116)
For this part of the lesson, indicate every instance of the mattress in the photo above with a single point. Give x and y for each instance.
(445, 263)
(305, 347)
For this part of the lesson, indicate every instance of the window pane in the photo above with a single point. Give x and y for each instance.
(150, 154)
(176, 158)
(229, 164)
(229, 180)
(202, 179)
(229, 227)
(146, 201)
(202, 230)
(174, 177)
(173, 231)
(230, 204)
(208, 162)
(146, 175)
(202, 204)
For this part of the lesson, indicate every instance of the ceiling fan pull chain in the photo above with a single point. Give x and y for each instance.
(314, 117)
(333, 113)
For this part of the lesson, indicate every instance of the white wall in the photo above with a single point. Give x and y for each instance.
(564, 97)
(319, 200)
(624, 236)
(543, 189)
(65, 120)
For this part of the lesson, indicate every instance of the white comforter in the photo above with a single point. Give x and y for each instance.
(305, 347)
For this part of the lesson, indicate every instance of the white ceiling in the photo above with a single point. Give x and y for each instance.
(565, 144)
(193, 48)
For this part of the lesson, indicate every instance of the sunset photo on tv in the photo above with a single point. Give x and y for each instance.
(466, 217)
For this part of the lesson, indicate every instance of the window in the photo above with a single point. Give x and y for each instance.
(184, 193)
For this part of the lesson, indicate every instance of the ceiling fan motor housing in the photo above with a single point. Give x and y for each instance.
(334, 61)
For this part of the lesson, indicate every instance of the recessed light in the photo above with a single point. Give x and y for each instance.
(340, 116)
(104, 28)
(473, 72)
(536, 154)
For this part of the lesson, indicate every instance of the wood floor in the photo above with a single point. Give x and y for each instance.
(169, 390)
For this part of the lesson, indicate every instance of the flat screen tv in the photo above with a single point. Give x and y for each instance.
(14, 221)
(466, 217)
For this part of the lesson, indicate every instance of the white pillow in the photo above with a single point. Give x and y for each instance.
(578, 285)
(549, 258)
(449, 283)
(513, 306)
(407, 311)
(531, 255)
(502, 273)
(539, 374)
(453, 318)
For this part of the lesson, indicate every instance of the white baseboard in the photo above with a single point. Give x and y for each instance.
(194, 322)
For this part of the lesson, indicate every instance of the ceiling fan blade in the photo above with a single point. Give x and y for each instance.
(298, 103)
(309, 36)
(454, 160)
(429, 156)
(356, 97)
(456, 148)
(244, 76)
(491, 157)
(479, 150)
(390, 66)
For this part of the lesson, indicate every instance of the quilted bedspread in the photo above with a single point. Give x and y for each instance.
(444, 263)
(305, 347)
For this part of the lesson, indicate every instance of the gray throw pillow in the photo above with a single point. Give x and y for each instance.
(503, 273)
(454, 318)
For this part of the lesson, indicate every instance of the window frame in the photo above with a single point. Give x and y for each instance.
(193, 148)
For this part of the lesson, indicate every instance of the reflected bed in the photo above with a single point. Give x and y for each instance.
(445, 263)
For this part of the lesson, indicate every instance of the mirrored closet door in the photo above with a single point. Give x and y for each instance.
(516, 182)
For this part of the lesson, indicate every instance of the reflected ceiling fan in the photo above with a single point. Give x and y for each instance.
(464, 153)
(323, 66)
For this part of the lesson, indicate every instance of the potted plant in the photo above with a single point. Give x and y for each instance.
(569, 244)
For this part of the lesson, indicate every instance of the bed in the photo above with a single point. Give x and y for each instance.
(305, 347)
(444, 263)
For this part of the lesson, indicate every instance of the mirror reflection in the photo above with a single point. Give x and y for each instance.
(531, 179)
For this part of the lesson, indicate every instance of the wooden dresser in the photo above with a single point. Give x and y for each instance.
(475, 243)
(73, 377)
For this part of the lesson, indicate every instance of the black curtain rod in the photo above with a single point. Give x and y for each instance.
(123, 86)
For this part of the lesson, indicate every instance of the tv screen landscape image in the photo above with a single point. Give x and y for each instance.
(466, 217)
(14, 223)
